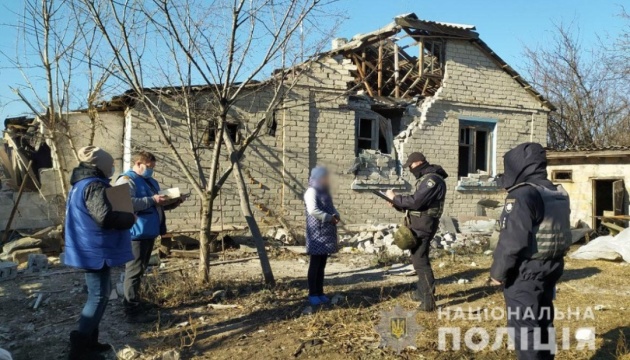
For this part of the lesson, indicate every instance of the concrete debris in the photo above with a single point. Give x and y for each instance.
(447, 225)
(37, 263)
(477, 224)
(307, 310)
(280, 234)
(336, 299)
(401, 270)
(21, 256)
(301, 250)
(128, 353)
(463, 281)
(47, 241)
(379, 238)
(441, 265)
(488, 252)
(23, 243)
(8, 270)
(171, 355)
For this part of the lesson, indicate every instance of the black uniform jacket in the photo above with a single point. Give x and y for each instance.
(428, 192)
(523, 209)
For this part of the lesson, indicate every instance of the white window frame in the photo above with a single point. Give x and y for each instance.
(491, 126)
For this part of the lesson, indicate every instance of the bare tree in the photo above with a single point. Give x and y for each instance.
(591, 98)
(225, 45)
(55, 54)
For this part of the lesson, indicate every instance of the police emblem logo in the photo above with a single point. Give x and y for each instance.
(398, 327)
(509, 205)
(430, 183)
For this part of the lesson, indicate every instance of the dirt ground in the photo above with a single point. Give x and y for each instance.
(269, 323)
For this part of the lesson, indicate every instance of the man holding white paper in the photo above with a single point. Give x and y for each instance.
(149, 207)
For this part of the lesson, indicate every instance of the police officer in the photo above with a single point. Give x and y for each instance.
(528, 260)
(423, 211)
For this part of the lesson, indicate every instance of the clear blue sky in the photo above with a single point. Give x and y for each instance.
(507, 26)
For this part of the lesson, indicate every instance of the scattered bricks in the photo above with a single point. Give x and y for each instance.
(8, 270)
(21, 256)
(37, 263)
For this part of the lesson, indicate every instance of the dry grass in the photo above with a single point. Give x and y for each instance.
(267, 322)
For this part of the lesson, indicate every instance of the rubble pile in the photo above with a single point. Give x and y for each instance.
(30, 249)
(373, 239)
(376, 239)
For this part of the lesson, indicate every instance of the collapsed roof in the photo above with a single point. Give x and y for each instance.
(386, 66)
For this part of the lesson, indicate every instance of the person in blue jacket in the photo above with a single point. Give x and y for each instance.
(149, 207)
(96, 239)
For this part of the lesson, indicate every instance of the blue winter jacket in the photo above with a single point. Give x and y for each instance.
(95, 235)
(149, 224)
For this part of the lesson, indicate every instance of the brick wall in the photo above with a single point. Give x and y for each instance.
(473, 88)
(108, 135)
(316, 126)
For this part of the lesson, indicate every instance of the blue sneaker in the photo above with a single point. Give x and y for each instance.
(314, 300)
(324, 299)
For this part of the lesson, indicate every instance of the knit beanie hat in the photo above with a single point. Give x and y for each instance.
(98, 158)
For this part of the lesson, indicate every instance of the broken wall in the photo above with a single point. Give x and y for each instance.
(580, 187)
(108, 134)
(34, 210)
(474, 89)
(317, 125)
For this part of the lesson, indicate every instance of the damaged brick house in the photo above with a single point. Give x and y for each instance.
(360, 108)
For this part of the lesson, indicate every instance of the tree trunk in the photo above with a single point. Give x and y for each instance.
(247, 211)
(204, 239)
(207, 204)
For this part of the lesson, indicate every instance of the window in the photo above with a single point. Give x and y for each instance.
(562, 175)
(232, 130)
(209, 135)
(367, 137)
(476, 147)
(272, 124)
(370, 136)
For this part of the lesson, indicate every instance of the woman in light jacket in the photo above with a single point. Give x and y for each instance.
(321, 232)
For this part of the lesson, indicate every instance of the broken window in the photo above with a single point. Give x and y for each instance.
(272, 124)
(374, 134)
(209, 135)
(562, 175)
(368, 135)
(232, 130)
(476, 150)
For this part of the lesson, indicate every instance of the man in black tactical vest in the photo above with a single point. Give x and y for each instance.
(528, 261)
(423, 210)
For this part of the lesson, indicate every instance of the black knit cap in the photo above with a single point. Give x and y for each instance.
(414, 157)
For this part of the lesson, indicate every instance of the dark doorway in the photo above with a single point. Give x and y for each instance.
(603, 199)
